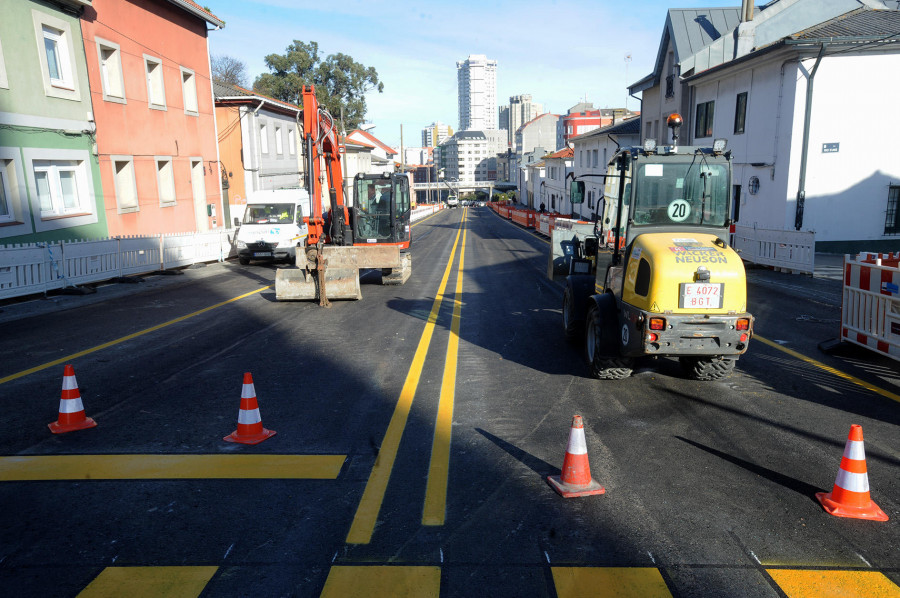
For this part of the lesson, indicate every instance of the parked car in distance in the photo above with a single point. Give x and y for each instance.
(453, 201)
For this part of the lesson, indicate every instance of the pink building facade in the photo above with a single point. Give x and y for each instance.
(149, 72)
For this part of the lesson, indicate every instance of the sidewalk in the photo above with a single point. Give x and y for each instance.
(829, 265)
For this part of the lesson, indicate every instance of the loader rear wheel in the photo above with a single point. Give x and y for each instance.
(573, 326)
(708, 368)
(600, 344)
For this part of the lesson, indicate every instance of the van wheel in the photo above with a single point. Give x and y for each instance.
(703, 368)
(244, 260)
(599, 337)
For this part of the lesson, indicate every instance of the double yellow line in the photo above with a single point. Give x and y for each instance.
(436, 490)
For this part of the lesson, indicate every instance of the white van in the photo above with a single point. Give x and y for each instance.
(273, 225)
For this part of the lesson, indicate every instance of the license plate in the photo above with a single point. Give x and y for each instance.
(701, 295)
(262, 254)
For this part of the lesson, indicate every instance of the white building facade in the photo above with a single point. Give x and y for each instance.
(521, 110)
(477, 90)
(471, 156)
(843, 184)
(434, 134)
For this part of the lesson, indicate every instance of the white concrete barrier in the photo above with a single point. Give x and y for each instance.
(785, 250)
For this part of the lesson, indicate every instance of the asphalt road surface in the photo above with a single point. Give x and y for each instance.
(415, 431)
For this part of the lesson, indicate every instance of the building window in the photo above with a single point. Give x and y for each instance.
(279, 141)
(703, 126)
(596, 157)
(165, 181)
(189, 92)
(263, 139)
(58, 188)
(292, 141)
(740, 112)
(113, 84)
(126, 187)
(6, 213)
(56, 54)
(892, 216)
(4, 82)
(156, 86)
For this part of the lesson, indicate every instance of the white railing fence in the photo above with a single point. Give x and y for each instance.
(786, 250)
(42, 267)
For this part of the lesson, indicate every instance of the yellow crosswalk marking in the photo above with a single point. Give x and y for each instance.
(167, 467)
(383, 582)
(834, 584)
(609, 582)
(155, 582)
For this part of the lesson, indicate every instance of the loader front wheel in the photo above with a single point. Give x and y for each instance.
(601, 348)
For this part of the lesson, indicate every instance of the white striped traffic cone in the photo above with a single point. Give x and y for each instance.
(576, 479)
(850, 496)
(249, 428)
(71, 410)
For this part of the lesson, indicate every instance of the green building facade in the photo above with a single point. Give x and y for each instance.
(50, 186)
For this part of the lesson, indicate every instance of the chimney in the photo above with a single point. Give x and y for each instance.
(746, 11)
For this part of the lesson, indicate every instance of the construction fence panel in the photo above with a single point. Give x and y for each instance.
(787, 250)
(870, 306)
(139, 255)
(30, 269)
(90, 261)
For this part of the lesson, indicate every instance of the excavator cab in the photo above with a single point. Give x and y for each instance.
(381, 209)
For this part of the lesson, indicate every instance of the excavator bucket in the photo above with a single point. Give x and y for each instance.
(341, 267)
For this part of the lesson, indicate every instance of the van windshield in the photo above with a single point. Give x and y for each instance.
(269, 213)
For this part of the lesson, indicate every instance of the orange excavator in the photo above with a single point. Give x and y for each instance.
(373, 233)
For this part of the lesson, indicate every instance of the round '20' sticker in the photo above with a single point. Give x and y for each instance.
(679, 210)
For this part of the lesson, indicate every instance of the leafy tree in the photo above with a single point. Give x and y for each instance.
(340, 81)
(228, 70)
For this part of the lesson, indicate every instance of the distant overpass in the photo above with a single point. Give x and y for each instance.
(463, 187)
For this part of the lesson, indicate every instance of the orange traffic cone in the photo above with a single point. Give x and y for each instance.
(576, 477)
(249, 428)
(71, 410)
(850, 496)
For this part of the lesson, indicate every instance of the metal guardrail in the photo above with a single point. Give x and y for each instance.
(785, 250)
(41, 267)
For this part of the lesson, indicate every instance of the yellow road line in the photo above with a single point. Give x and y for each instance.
(149, 582)
(609, 582)
(435, 510)
(382, 582)
(370, 505)
(418, 222)
(847, 584)
(169, 467)
(829, 369)
(69, 358)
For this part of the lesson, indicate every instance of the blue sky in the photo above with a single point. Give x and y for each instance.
(559, 51)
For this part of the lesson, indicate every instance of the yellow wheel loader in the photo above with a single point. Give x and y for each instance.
(664, 281)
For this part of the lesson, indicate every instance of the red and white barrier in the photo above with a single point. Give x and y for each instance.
(870, 307)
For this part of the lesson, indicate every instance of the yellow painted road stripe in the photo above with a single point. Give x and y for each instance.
(829, 369)
(370, 505)
(435, 510)
(73, 356)
(149, 582)
(609, 582)
(382, 582)
(166, 467)
(844, 584)
(418, 222)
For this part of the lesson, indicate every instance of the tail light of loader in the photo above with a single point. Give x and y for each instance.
(657, 323)
(742, 324)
